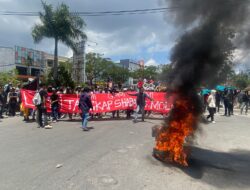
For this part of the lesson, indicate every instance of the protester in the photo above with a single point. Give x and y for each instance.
(12, 100)
(41, 108)
(211, 105)
(217, 100)
(140, 83)
(141, 102)
(25, 112)
(6, 91)
(1, 102)
(226, 102)
(54, 105)
(85, 105)
(19, 100)
(231, 102)
(113, 92)
(244, 103)
(69, 91)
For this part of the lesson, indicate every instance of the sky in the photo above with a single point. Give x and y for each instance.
(149, 37)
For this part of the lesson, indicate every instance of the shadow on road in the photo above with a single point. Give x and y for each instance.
(219, 169)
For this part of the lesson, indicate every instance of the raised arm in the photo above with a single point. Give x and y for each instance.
(136, 94)
(147, 96)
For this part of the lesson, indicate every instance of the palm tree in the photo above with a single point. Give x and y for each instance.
(61, 25)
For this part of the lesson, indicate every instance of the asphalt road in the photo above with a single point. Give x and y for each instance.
(116, 154)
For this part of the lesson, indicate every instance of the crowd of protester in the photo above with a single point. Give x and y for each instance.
(227, 99)
(11, 102)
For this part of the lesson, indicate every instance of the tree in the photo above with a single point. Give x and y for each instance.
(93, 66)
(64, 77)
(241, 80)
(149, 72)
(99, 69)
(118, 74)
(60, 25)
(6, 77)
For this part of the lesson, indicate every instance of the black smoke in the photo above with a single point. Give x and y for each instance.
(206, 47)
(209, 29)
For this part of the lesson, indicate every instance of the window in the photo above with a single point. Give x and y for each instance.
(50, 63)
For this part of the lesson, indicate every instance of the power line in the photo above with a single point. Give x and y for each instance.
(102, 13)
(114, 13)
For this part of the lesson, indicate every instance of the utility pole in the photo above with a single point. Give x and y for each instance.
(79, 64)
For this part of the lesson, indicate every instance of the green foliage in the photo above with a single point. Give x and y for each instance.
(60, 25)
(6, 77)
(67, 65)
(64, 78)
(149, 72)
(241, 80)
(99, 69)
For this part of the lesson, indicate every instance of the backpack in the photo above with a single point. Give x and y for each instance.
(37, 99)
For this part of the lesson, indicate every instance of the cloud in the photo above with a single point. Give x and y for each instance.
(151, 62)
(241, 59)
(136, 36)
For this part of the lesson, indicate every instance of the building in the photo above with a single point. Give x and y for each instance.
(28, 62)
(49, 61)
(129, 64)
(7, 59)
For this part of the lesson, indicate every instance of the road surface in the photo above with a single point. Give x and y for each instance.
(116, 154)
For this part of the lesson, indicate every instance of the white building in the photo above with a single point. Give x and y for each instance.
(7, 59)
(28, 62)
(129, 64)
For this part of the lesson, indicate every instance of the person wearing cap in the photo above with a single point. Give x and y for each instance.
(54, 98)
(85, 105)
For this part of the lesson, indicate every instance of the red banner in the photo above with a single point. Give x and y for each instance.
(103, 102)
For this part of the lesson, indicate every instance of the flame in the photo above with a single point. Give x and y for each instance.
(171, 138)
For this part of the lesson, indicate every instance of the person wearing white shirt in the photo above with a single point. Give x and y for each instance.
(211, 105)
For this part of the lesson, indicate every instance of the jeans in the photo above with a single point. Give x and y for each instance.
(1, 111)
(218, 106)
(85, 117)
(211, 113)
(54, 112)
(138, 109)
(242, 106)
(12, 108)
(226, 105)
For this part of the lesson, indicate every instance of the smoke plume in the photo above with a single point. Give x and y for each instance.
(199, 57)
(206, 47)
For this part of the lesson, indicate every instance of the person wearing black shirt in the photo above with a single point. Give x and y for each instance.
(226, 102)
(54, 104)
(12, 102)
(141, 102)
(245, 102)
(217, 100)
(41, 108)
(85, 105)
(1, 102)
